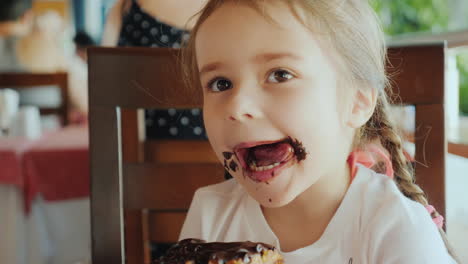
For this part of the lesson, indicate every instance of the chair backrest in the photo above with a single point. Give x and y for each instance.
(418, 79)
(34, 80)
(141, 190)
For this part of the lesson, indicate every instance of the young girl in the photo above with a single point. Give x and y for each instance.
(293, 92)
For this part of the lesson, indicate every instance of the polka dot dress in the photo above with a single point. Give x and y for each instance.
(142, 30)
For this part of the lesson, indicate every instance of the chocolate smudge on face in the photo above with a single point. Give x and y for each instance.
(233, 165)
(299, 150)
(227, 155)
(269, 200)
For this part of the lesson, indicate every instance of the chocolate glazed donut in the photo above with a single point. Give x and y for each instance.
(196, 251)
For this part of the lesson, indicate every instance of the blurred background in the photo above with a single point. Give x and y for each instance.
(44, 167)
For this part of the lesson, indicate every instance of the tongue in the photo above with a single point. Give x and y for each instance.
(269, 154)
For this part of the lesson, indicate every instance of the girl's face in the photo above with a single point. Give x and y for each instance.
(271, 105)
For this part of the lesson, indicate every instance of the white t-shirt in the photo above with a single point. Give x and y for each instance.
(375, 223)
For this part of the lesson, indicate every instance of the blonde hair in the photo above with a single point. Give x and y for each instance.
(353, 30)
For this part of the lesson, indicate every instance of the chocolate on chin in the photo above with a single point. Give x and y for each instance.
(196, 251)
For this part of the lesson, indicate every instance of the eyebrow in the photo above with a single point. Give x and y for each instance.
(258, 59)
(210, 67)
(266, 57)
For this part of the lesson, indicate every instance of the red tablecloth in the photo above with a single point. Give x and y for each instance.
(11, 153)
(57, 166)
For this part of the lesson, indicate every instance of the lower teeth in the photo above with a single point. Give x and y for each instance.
(254, 167)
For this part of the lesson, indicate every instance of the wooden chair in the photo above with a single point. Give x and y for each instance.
(123, 80)
(418, 79)
(141, 189)
(34, 80)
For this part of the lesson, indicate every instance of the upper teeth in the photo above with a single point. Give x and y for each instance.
(253, 166)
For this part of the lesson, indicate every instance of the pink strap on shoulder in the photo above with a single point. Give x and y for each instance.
(365, 158)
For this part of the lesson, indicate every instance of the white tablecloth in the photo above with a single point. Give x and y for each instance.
(53, 233)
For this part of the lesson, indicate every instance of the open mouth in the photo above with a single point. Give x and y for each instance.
(262, 161)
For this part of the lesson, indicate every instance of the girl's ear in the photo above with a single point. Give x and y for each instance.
(362, 106)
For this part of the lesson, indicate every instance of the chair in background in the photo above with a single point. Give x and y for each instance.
(34, 80)
(141, 189)
(418, 77)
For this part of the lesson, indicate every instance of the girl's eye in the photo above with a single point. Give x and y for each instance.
(279, 76)
(219, 85)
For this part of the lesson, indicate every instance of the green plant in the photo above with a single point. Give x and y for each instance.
(462, 63)
(408, 16)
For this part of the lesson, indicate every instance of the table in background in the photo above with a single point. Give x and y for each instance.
(44, 192)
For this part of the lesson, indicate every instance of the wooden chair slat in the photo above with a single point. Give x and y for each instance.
(135, 234)
(106, 221)
(165, 227)
(163, 186)
(181, 151)
(431, 149)
(29, 80)
(130, 133)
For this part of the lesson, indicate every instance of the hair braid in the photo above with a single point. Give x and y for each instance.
(380, 128)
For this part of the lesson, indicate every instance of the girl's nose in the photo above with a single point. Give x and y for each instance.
(243, 107)
(241, 117)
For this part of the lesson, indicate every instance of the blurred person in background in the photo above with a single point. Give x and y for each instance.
(157, 23)
(150, 23)
(79, 66)
(42, 50)
(16, 20)
(82, 41)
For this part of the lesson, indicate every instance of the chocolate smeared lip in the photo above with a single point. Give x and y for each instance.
(261, 161)
(299, 150)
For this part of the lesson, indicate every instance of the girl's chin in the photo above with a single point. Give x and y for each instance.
(273, 195)
(280, 191)
(275, 203)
